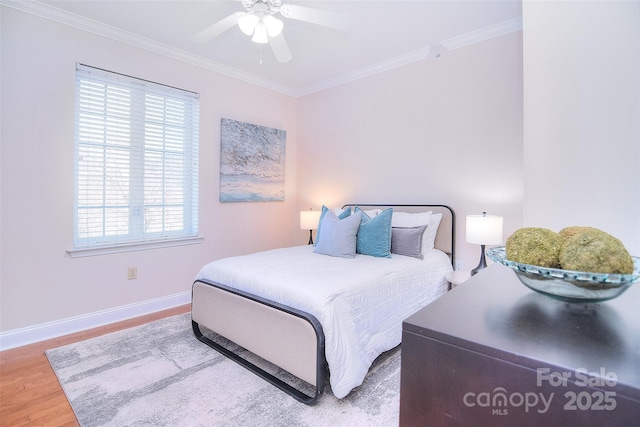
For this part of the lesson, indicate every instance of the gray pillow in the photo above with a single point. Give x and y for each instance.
(338, 236)
(407, 241)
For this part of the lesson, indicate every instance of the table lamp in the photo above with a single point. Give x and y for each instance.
(483, 230)
(309, 221)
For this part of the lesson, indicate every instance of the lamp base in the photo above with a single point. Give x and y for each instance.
(310, 237)
(483, 262)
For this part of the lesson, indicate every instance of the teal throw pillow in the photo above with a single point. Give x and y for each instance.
(374, 235)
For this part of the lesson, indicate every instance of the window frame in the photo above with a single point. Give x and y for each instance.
(158, 146)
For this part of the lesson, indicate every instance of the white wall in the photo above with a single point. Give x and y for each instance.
(582, 116)
(445, 130)
(39, 281)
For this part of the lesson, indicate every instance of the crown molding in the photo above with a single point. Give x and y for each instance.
(399, 61)
(486, 33)
(52, 13)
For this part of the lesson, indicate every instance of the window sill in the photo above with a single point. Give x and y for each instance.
(106, 250)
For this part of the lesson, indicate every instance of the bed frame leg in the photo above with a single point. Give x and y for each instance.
(290, 390)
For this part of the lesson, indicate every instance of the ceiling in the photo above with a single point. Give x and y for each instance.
(383, 34)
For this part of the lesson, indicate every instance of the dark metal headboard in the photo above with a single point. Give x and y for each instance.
(446, 237)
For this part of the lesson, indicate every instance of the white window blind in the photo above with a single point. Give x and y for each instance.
(136, 161)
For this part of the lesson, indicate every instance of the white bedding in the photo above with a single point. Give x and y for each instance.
(360, 302)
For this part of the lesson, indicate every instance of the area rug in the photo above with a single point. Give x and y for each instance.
(159, 374)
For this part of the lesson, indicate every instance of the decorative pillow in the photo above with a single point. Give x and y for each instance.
(374, 235)
(429, 240)
(405, 219)
(408, 241)
(338, 236)
(340, 213)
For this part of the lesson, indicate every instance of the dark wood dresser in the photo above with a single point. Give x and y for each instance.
(491, 352)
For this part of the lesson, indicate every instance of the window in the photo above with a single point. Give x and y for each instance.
(136, 161)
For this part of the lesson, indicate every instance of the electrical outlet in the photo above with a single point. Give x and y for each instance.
(132, 273)
(459, 265)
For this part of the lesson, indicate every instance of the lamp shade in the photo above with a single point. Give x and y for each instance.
(247, 23)
(260, 33)
(274, 25)
(309, 219)
(484, 229)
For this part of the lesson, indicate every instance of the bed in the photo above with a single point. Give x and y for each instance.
(305, 313)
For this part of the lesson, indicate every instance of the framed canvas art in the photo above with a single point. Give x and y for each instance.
(252, 162)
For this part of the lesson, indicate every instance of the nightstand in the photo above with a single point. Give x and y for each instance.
(456, 278)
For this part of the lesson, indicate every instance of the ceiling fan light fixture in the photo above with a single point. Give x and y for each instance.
(259, 23)
(260, 34)
(274, 25)
(248, 22)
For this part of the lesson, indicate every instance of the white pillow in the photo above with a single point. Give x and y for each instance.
(430, 235)
(406, 219)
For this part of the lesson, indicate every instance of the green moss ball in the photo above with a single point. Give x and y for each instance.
(595, 251)
(568, 232)
(534, 246)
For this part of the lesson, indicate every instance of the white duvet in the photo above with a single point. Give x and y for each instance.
(360, 302)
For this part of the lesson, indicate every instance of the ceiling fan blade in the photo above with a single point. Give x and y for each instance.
(280, 48)
(325, 18)
(218, 28)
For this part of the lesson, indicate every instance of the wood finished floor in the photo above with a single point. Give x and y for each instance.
(30, 394)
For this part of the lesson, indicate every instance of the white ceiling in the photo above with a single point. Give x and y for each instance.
(383, 34)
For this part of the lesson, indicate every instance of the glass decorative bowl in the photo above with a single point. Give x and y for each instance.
(567, 285)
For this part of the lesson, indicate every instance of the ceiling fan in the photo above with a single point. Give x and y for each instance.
(259, 22)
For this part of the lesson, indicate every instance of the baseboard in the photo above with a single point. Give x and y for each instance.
(45, 331)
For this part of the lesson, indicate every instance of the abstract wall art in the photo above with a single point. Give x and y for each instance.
(252, 162)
